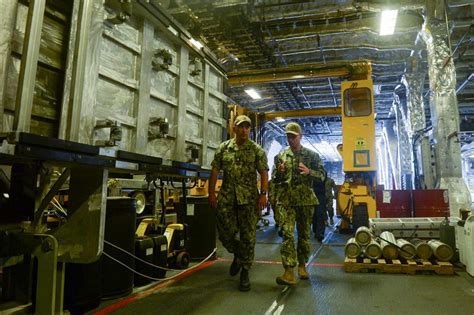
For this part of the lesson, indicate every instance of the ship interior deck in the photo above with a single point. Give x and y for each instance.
(209, 289)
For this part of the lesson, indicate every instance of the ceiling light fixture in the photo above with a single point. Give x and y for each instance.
(387, 22)
(253, 94)
(196, 43)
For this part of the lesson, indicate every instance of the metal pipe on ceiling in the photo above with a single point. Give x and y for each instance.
(312, 112)
(379, 5)
(463, 85)
(343, 15)
(405, 23)
(300, 72)
(312, 50)
(305, 99)
(329, 79)
(312, 9)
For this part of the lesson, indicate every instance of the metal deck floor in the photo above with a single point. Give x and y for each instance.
(210, 290)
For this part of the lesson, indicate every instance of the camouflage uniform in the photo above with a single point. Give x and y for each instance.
(330, 196)
(296, 201)
(237, 202)
(320, 211)
(273, 192)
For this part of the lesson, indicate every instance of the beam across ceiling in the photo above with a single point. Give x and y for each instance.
(361, 69)
(311, 112)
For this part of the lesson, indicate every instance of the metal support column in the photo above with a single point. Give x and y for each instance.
(7, 27)
(445, 116)
(405, 154)
(47, 254)
(143, 99)
(181, 127)
(392, 146)
(205, 117)
(415, 114)
(29, 62)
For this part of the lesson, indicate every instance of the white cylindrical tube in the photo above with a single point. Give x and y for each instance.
(442, 251)
(407, 249)
(363, 235)
(423, 250)
(352, 249)
(373, 250)
(387, 242)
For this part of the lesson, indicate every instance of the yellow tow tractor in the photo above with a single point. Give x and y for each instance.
(356, 196)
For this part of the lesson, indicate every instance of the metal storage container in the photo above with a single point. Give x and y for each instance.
(127, 77)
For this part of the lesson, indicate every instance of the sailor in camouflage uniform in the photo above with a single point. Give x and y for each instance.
(273, 193)
(239, 201)
(330, 185)
(295, 169)
(320, 211)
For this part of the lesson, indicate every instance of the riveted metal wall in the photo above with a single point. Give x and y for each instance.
(44, 112)
(94, 68)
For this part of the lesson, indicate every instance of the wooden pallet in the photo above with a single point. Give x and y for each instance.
(398, 266)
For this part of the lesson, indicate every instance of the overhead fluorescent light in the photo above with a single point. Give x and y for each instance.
(298, 76)
(196, 43)
(173, 30)
(253, 94)
(280, 119)
(388, 21)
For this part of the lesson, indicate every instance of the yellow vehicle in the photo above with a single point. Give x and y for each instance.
(356, 196)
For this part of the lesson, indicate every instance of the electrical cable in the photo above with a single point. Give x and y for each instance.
(59, 204)
(159, 279)
(346, 211)
(58, 208)
(143, 261)
(396, 245)
(414, 232)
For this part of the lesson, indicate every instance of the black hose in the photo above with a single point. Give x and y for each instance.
(346, 210)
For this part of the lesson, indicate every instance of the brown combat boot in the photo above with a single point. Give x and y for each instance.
(304, 275)
(288, 277)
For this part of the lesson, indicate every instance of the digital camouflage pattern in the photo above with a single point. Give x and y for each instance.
(330, 184)
(237, 202)
(296, 200)
(296, 188)
(302, 215)
(240, 166)
(320, 215)
(273, 192)
(237, 226)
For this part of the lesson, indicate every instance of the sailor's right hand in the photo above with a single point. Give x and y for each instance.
(212, 200)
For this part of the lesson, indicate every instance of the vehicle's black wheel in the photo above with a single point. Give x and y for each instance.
(360, 216)
(182, 260)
